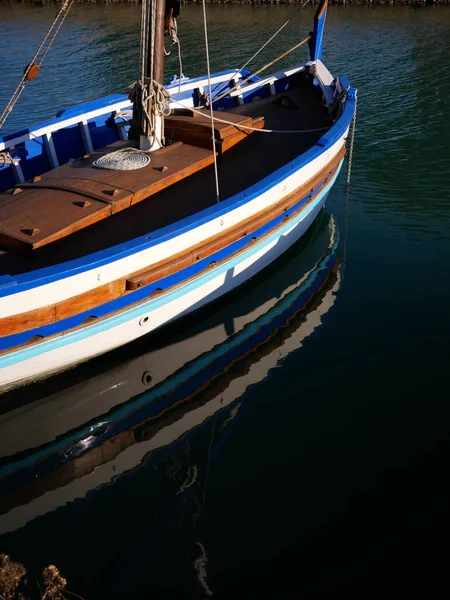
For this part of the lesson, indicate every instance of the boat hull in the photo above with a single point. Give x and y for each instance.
(71, 348)
(64, 312)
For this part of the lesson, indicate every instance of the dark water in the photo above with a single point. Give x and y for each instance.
(294, 438)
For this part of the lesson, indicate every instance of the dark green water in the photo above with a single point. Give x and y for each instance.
(327, 472)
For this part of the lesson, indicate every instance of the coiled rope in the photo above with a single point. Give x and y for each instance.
(34, 66)
(127, 159)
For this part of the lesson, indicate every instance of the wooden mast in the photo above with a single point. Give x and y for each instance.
(151, 69)
(158, 59)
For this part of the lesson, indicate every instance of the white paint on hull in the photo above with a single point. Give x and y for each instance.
(35, 424)
(143, 319)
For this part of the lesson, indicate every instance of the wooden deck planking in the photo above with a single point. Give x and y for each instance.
(77, 195)
(244, 165)
(31, 219)
(90, 189)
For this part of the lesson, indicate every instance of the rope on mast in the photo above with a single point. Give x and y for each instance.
(173, 34)
(33, 68)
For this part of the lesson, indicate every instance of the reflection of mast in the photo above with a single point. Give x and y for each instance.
(194, 480)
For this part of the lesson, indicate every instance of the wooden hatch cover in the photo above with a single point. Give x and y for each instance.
(196, 129)
(77, 195)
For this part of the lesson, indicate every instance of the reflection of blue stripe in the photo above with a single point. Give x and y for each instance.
(138, 311)
(183, 383)
(142, 293)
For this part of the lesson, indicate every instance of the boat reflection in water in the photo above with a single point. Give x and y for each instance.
(67, 445)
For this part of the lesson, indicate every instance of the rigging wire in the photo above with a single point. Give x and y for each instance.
(248, 127)
(269, 64)
(34, 66)
(261, 49)
(210, 104)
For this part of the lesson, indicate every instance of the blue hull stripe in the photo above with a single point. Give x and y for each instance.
(138, 311)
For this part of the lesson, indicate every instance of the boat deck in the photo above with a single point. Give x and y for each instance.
(154, 196)
(68, 199)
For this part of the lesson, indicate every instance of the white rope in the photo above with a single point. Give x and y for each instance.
(210, 105)
(142, 53)
(173, 33)
(127, 159)
(180, 65)
(239, 126)
(261, 49)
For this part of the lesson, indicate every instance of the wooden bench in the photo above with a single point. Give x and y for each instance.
(196, 129)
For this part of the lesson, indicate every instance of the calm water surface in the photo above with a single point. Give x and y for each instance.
(302, 441)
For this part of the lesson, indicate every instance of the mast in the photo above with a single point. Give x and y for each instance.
(317, 34)
(147, 124)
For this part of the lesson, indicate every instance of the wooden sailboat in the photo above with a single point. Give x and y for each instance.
(93, 257)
